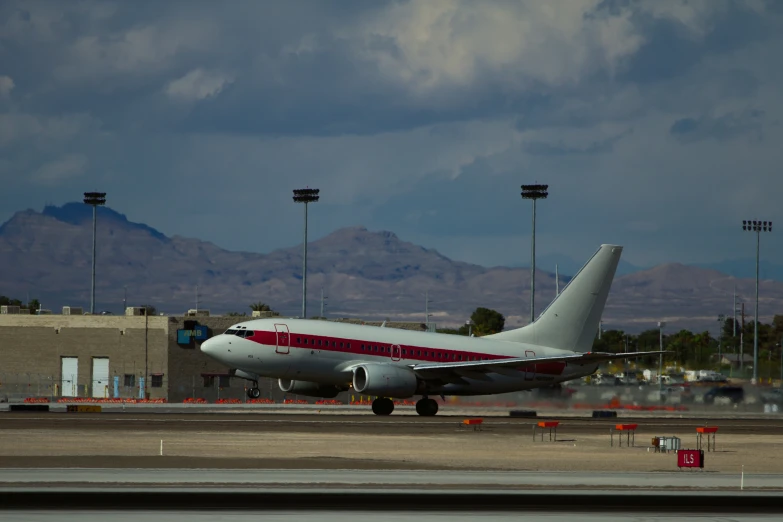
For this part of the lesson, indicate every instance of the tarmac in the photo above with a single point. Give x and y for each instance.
(313, 462)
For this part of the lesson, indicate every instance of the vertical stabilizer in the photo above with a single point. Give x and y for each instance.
(571, 321)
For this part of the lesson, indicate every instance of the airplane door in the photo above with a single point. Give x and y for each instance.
(530, 369)
(283, 338)
(396, 352)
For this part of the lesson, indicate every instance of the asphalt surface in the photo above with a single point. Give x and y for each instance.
(419, 504)
(367, 424)
(364, 516)
(408, 479)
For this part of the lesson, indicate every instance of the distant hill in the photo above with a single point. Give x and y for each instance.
(368, 274)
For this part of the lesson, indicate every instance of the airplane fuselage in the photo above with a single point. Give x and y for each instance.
(327, 352)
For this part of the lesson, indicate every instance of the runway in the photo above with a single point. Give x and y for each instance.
(223, 465)
(407, 479)
(306, 422)
(364, 516)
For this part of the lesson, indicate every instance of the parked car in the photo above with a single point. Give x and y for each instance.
(773, 396)
(735, 394)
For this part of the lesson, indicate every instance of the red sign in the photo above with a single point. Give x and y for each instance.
(690, 458)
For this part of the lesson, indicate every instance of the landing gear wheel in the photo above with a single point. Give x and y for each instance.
(254, 393)
(382, 406)
(426, 407)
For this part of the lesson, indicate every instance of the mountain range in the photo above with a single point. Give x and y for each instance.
(368, 274)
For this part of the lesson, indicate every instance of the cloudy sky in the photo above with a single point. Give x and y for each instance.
(656, 123)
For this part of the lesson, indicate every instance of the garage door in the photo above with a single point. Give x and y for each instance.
(100, 376)
(69, 370)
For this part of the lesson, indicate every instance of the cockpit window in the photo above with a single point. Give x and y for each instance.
(231, 332)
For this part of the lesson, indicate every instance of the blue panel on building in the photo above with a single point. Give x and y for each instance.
(200, 332)
(184, 336)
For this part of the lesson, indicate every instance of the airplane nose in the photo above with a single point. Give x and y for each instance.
(208, 346)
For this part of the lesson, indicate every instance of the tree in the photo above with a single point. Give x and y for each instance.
(150, 310)
(486, 322)
(260, 307)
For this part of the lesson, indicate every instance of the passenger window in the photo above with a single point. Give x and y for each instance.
(341, 345)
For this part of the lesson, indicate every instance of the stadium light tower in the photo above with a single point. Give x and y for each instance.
(306, 195)
(94, 199)
(534, 192)
(758, 227)
(661, 324)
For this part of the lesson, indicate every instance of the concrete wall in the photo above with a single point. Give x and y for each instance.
(31, 348)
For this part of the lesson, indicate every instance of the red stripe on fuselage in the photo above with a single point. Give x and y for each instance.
(407, 352)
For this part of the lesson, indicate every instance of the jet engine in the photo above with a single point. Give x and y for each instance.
(385, 380)
(310, 389)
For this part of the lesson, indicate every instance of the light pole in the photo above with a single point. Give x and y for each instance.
(722, 323)
(470, 327)
(661, 324)
(94, 199)
(533, 192)
(427, 313)
(306, 195)
(757, 227)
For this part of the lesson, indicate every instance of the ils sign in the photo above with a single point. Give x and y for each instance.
(690, 458)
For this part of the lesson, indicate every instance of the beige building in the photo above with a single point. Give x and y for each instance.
(108, 356)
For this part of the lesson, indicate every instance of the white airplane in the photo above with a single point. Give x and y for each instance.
(322, 358)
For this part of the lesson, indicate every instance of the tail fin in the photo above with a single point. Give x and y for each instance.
(571, 321)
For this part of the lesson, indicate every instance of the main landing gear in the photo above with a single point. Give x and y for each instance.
(254, 392)
(426, 407)
(382, 406)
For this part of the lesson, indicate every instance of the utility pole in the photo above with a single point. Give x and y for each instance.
(557, 282)
(95, 200)
(322, 302)
(306, 195)
(757, 227)
(197, 296)
(124, 299)
(533, 192)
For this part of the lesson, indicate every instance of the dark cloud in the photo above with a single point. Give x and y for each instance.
(726, 127)
(419, 117)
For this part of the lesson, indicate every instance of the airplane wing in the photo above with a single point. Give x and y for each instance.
(477, 368)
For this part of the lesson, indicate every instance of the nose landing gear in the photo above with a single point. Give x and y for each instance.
(254, 392)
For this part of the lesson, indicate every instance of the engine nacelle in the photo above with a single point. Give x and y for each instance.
(310, 389)
(385, 380)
